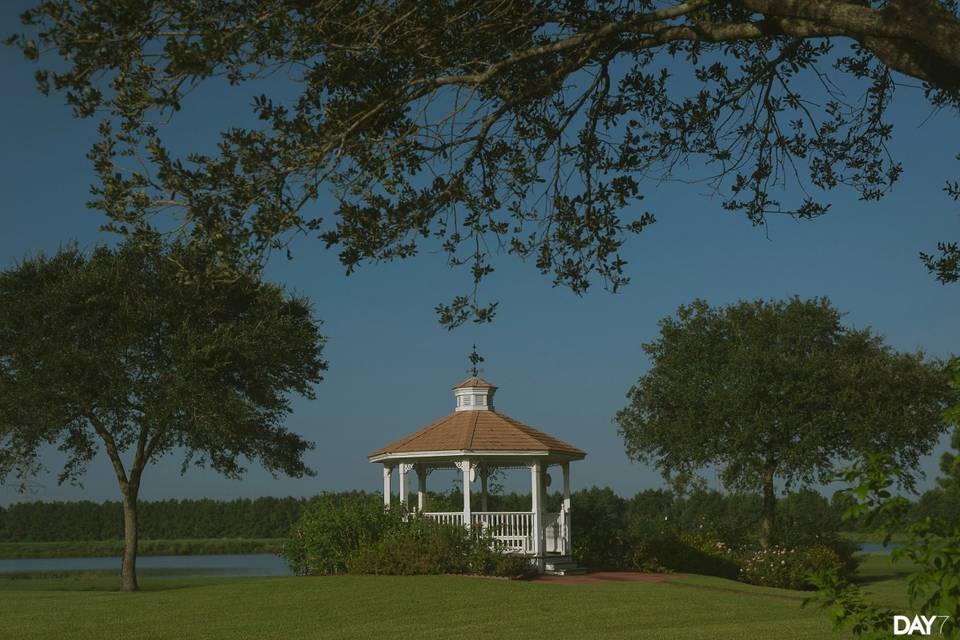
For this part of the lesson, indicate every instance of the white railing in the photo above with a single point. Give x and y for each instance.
(452, 517)
(511, 531)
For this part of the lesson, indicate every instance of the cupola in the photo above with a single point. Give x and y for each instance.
(474, 394)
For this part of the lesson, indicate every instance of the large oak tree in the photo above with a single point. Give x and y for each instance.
(523, 126)
(114, 353)
(778, 391)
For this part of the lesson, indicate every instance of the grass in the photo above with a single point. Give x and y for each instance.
(87, 606)
(884, 580)
(875, 537)
(113, 548)
(171, 605)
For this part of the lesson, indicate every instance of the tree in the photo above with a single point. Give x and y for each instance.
(113, 352)
(949, 481)
(527, 126)
(777, 390)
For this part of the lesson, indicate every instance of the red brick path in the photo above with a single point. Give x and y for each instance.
(597, 577)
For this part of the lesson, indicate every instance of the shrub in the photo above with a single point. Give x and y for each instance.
(421, 546)
(599, 528)
(806, 518)
(789, 568)
(732, 518)
(353, 533)
(689, 553)
(333, 527)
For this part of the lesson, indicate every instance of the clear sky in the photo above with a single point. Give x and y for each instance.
(563, 364)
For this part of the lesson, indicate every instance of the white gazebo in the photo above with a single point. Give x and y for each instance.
(476, 439)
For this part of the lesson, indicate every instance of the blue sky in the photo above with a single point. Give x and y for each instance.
(562, 363)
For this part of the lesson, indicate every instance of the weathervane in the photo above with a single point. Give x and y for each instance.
(475, 359)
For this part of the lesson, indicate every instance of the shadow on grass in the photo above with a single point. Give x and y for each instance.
(107, 580)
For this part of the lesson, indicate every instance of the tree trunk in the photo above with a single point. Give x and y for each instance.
(768, 525)
(128, 566)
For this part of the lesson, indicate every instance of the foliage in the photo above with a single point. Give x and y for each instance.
(949, 479)
(776, 390)
(789, 567)
(353, 533)
(332, 527)
(598, 517)
(523, 126)
(933, 589)
(114, 548)
(264, 517)
(686, 552)
(114, 351)
(730, 517)
(422, 546)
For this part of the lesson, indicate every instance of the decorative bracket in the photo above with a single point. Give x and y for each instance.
(423, 470)
(405, 467)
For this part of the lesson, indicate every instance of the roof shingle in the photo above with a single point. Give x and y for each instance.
(475, 381)
(486, 431)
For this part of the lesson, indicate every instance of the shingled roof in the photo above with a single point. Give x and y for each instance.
(478, 431)
(475, 381)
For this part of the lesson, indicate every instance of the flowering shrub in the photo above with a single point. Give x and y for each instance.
(788, 568)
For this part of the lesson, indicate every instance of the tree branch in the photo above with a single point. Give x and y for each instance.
(111, 445)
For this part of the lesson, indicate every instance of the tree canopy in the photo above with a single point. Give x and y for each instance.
(771, 391)
(527, 127)
(949, 461)
(113, 352)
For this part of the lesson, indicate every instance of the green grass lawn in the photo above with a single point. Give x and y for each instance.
(86, 606)
(884, 580)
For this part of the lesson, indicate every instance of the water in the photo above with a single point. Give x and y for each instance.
(263, 564)
(876, 547)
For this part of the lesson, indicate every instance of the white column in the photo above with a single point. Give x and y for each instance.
(536, 493)
(465, 467)
(421, 487)
(567, 541)
(402, 470)
(386, 485)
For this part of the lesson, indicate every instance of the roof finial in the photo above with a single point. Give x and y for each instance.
(475, 359)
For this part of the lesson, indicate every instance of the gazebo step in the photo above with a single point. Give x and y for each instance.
(562, 566)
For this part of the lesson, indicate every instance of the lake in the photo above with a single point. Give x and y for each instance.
(263, 564)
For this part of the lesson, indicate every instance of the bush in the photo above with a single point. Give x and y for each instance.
(688, 553)
(806, 518)
(732, 518)
(420, 547)
(353, 533)
(334, 526)
(599, 528)
(789, 568)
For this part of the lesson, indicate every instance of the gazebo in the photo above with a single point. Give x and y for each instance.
(476, 439)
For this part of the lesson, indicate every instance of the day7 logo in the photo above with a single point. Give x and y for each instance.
(922, 625)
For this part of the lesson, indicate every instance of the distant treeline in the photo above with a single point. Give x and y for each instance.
(188, 519)
(160, 520)
(734, 515)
